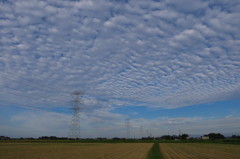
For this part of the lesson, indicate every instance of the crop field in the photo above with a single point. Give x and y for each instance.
(74, 150)
(199, 151)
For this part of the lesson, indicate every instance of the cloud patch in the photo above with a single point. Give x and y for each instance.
(165, 54)
(101, 123)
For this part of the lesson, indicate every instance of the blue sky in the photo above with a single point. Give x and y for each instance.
(165, 65)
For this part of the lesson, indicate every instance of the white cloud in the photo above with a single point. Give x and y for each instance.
(42, 123)
(188, 5)
(161, 54)
(36, 124)
(190, 125)
(101, 123)
(166, 14)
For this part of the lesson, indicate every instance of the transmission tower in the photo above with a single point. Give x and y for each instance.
(128, 127)
(75, 122)
(141, 131)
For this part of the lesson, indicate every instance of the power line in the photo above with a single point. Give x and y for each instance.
(55, 91)
(24, 106)
(51, 90)
(42, 98)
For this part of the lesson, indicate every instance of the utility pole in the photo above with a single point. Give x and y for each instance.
(75, 121)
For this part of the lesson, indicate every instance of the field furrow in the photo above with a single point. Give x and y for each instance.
(73, 151)
(199, 151)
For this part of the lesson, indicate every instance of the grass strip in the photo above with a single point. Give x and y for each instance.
(154, 152)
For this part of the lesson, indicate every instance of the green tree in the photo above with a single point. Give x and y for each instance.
(216, 136)
(183, 136)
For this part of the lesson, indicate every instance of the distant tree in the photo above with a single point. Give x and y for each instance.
(148, 138)
(48, 138)
(236, 136)
(101, 138)
(183, 136)
(216, 136)
(4, 138)
(168, 137)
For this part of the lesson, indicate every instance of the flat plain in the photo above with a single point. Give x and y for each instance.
(199, 151)
(74, 150)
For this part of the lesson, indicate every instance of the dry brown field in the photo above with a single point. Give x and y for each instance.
(74, 150)
(199, 151)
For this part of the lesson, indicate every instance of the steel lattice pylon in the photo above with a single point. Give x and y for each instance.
(75, 121)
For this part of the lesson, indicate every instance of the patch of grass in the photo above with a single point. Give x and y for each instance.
(155, 153)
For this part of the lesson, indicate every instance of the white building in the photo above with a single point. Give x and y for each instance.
(205, 137)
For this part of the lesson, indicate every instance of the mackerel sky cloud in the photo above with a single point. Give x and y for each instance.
(166, 54)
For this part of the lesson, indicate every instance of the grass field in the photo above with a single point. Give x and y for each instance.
(155, 153)
(199, 151)
(74, 150)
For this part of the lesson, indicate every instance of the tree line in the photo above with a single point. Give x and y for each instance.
(211, 136)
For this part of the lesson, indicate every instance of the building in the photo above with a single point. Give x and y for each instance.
(205, 137)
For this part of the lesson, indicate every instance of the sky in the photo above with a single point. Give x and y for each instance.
(145, 67)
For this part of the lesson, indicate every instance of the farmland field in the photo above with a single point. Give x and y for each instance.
(199, 151)
(74, 150)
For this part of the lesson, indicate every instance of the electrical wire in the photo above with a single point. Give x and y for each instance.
(35, 97)
(50, 90)
(24, 106)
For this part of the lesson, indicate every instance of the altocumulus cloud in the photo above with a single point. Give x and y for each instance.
(168, 54)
